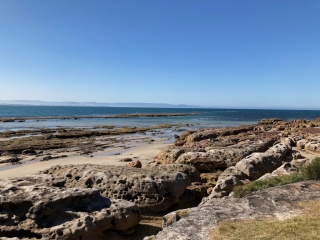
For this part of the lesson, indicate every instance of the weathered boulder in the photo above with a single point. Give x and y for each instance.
(258, 164)
(151, 190)
(169, 154)
(275, 203)
(313, 146)
(232, 171)
(210, 178)
(219, 152)
(223, 187)
(30, 207)
(296, 155)
(199, 189)
(204, 134)
(136, 164)
(281, 150)
(286, 169)
(301, 144)
(269, 121)
(191, 171)
(251, 167)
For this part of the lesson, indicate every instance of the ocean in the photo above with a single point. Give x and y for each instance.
(205, 118)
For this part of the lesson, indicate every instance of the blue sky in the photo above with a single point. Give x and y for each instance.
(234, 54)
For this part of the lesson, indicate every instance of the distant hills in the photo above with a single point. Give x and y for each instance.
(94, 104)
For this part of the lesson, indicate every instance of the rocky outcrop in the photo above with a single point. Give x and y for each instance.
(285, 169)
(136, 164)
(258, 164)
(252, 167)
(37, 206)
(276, 203)
(210, 155)
(311, 145)
(189, 170)
(151, 190)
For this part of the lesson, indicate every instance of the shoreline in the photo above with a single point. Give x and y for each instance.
(76, 117)
(104, 147)
(182, 169)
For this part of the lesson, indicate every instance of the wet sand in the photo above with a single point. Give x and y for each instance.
(144, 153)
(142, 147)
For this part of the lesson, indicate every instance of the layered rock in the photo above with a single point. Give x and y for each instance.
(151, 190)
(311, 145)
(32, 207)
(252, 167)
(286, 169)
(212, 150)
(276, 203)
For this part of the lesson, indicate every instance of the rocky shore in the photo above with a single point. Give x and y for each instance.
(133, 115)
(189, 182)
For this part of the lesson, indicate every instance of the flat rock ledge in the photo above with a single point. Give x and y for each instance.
(151, 190)
(277, 203)
(37, 207)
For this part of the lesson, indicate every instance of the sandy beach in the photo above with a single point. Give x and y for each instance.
(143, 152)
(138, 146)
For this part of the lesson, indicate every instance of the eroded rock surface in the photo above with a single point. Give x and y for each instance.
(151, 190)
(37, 206)
(191, 171)
(216, 149)
(276, 203)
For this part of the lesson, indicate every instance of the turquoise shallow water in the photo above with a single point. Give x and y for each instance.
(207, 118)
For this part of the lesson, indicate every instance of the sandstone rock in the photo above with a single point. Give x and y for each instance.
(301, 144)
(313, 146)
(210, 178)
(210, 155)
(214, 133)
(29, 151)
(200, 190)
(189, 170)
(151, 190)
(281, 150)
(258, 164)
(296, 155)
(136, 164)
(224, 187)
(169, 155)
(31, 208)
(11, 160)
(275, 203)
(232, 171)
(126, 160)
(285, 169)
(269, 121)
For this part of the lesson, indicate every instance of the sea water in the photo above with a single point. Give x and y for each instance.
(204, 117)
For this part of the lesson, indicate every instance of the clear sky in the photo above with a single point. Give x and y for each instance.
(214, 53)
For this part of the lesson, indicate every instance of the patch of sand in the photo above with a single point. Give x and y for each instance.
(144, 152)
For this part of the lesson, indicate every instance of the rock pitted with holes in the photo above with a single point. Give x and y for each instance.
(37, 206)
(151, 190)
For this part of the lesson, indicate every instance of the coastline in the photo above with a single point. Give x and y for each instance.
(107, 147)
(183, 169)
